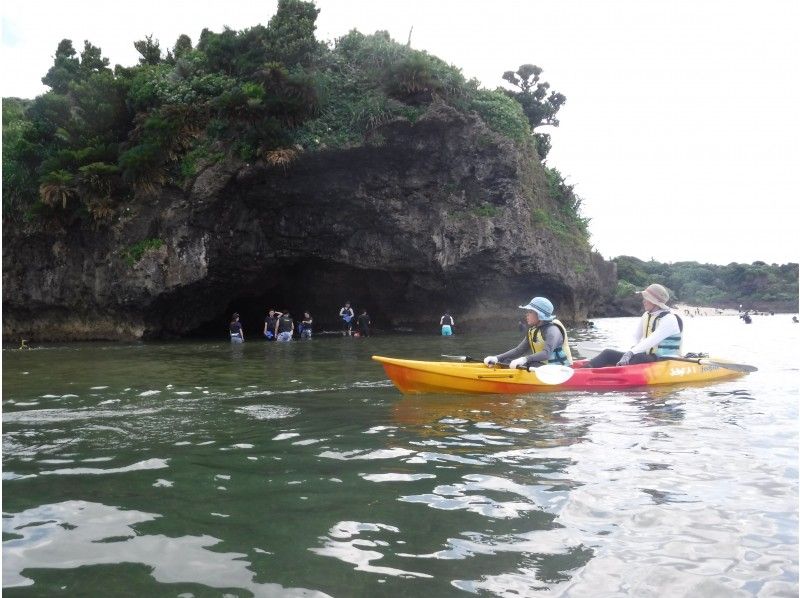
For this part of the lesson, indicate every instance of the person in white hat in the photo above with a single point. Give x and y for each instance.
(545, 342)
(659, 334)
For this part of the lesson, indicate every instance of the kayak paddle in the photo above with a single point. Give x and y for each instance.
(549, 373)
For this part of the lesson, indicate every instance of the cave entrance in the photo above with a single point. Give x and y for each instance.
(318, 287)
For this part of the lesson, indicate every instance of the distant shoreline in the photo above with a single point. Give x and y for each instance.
(697, 310)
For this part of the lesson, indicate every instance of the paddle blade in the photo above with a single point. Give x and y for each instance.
(589, 350)
(736, 367)
(458, 357)
(552, 373)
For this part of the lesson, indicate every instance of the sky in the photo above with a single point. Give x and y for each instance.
(681, 130)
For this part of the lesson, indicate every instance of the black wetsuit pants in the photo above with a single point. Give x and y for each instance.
(610, 357)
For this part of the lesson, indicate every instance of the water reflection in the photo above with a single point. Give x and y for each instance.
(77, 533)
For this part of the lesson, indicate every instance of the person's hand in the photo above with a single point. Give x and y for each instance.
(490, 359)
(625, 359)
(515, 363)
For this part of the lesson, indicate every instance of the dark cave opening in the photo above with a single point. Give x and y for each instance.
(321, 288)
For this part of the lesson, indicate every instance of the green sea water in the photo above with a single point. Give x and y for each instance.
(297, 469)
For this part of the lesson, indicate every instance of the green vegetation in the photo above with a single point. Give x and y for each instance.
(136, 252)
(566, 221)
(485, 210)
(539, 106)
(102, 138)
(712, 285)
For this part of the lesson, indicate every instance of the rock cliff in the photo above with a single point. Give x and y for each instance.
(426, 216)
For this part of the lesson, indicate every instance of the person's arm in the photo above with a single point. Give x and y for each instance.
(517, 351)
(275, 331)
(667, 326)
(266, 326)
(241, 330)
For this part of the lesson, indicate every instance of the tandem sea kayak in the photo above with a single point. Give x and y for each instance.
(412, 376)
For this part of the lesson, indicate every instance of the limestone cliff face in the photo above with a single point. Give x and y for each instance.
(428, 216)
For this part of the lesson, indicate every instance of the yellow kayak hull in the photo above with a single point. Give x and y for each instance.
(411, 376)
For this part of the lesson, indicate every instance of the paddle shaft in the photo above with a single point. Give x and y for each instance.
(546, 374)
(470, 359)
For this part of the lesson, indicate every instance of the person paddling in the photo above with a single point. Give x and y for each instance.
(658, 334)
(546, 339)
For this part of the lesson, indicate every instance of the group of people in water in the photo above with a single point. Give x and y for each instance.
(280, 326)
(659, 334)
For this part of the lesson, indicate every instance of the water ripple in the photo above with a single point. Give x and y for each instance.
(79, 533)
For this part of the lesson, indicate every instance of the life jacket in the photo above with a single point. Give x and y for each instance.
(562, 355)
(670, 346)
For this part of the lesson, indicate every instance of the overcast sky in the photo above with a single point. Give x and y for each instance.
(681, 128)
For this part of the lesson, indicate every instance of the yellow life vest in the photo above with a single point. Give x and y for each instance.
(562, 354)
(670, 346)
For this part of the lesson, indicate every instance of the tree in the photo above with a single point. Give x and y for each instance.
(149, 49)
(539, 107)
(183, 45)
(92, 60)
(65, 69)
(290, 33)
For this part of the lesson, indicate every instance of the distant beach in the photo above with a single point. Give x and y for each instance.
(696, 310)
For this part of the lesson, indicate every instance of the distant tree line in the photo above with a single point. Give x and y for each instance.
(754, 286)
(102, 138)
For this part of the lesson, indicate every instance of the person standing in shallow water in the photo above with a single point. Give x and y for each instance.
(305, 325)
(284, 328)
(447, 323)
(235, 329)
(269, 324)
(346, 314)
(363, 323)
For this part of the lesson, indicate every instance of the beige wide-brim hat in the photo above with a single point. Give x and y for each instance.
(657, 295)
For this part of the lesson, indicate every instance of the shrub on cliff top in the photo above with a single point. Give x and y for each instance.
(248, 93)
(502, 114)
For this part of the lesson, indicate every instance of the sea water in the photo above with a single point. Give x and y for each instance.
(297, 469)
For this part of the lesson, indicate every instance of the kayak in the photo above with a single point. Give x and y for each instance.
(411, 376)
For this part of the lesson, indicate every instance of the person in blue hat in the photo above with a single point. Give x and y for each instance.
(545, 342)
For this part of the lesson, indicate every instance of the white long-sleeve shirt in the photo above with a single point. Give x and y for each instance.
(667, 326)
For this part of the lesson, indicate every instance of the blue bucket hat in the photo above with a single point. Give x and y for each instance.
(542, 307)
